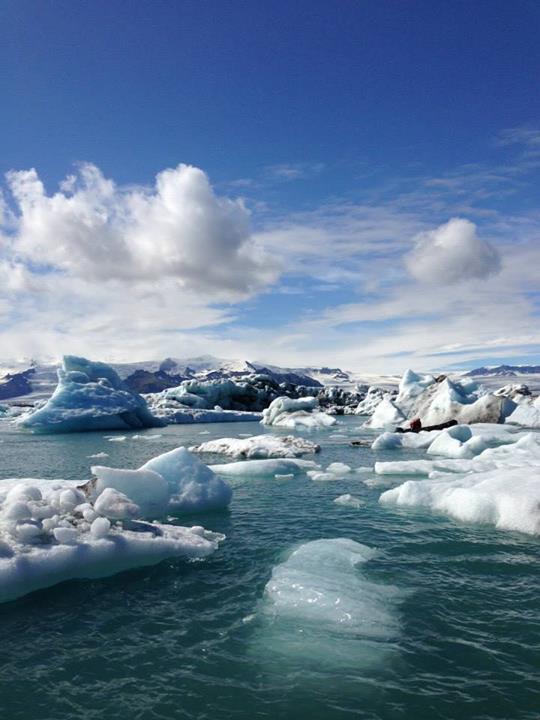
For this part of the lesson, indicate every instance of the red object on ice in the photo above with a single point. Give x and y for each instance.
(416, 425)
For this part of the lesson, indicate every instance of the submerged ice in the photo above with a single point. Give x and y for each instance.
(320, 608)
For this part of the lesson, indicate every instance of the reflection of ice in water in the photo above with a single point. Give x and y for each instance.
(320, 609)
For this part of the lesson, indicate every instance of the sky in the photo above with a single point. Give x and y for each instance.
(350, 184)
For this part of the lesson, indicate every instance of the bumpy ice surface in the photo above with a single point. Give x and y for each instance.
(51, 532)
(259, 447)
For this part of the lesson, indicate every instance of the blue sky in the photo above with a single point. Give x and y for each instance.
(331, 145)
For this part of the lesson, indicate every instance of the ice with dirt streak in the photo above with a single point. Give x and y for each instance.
(259, 447)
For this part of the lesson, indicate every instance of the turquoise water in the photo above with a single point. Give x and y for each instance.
(183, 640)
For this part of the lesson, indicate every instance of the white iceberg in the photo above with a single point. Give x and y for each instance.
(373, 397)
(386, 414)
(507, 499)
(50, 532)
(193, 487)
(89, 396)
(526, 413)
(499, 486)
(302, 412)
(259, 447)
(320, 609)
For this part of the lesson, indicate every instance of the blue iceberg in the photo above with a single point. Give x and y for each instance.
(90, 396)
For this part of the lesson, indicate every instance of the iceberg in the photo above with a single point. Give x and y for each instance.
(500, 486)
(50, 532)
(373, 397)
(320, 609)
(302, 412)
(386, 413)
(193, 487)
(526, 413)
(259, 447)
(506, 499)
(89, 396)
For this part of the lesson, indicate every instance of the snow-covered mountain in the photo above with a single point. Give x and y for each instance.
(504, 371)
(32, 380)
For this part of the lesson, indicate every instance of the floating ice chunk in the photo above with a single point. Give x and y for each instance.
(508, 499)
(90, 396)
(147, 489)
(192, 486)
(259, 447)
(148, 438)
(349, 500)
(386, 413)
(289, 476)
(264, 468)
(318, 476)
(98, 455)
(319, 608)
(339, 468)
(302, 412)
(117, 438)
(37, 553)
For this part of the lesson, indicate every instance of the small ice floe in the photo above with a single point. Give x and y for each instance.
(349, 500)
(98, 455)
(259, 447)
(335, 471)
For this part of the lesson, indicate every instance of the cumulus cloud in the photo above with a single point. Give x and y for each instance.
(178, 229)
(451, 253)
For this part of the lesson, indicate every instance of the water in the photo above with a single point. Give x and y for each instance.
(182, 640)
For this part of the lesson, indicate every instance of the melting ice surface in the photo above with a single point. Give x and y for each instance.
(321, 609)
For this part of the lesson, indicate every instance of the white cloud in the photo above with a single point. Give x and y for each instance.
(452, 253)
(179, 229)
